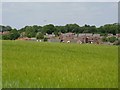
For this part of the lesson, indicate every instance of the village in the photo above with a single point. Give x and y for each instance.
(108, 34)
(74, 38)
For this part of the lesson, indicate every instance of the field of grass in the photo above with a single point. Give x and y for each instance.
(56, 65)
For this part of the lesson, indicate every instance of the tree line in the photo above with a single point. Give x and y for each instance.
(32, 31)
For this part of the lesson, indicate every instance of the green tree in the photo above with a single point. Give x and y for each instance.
(72, 28)
(105, 39)
(13, 34)
(112, 39)
(49, 29)
(5, 28)
(6, 37)
(45, 39)
(39, 35)
(30, 31)
(61, 29)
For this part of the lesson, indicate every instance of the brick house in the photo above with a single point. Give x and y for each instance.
(4, 33)
(81, 38)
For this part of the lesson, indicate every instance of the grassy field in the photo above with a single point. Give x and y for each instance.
(54, 65)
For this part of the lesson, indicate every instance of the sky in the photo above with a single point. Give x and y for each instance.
(60, 0)
(20, 14)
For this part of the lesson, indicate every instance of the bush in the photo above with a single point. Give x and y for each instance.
(6, 37)
(105, 39)
(112, 39)
(39, 35)
(103, 34)
(0, 37)
(45, 39)
(117, 42)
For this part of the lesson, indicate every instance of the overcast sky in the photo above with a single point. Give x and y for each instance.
(20, 14)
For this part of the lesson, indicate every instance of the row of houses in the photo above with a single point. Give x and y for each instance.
(79, 38)
(71, 37)
(3, 33)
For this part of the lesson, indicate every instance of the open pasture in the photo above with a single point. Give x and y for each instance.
(58, 65)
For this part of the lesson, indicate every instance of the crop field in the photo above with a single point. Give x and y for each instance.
(27, 64)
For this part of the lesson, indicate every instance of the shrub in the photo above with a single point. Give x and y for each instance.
(105, 39)
(45, 39)
(112, 39)
(39, 35)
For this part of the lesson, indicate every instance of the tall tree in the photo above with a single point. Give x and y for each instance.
(13, 34)
(49, 29)
(39, 35)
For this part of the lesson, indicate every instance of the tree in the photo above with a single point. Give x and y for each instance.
(112, 39)
(118, 42)
(104, 39)
(6, 37)
(5, 28)
(45, 39)
(30, 31)
(48, 29)
(93, 29)
(60, 29)
(0, 37)
(39, 35)
(72, 28)
(13, 34)
(109, 28)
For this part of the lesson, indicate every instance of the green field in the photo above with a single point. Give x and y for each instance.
(58, 65)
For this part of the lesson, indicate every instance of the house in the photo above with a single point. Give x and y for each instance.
(24, 38)
(4, 33)
(80, 38)
(89, 38)
(33, 39)
(118, 35)
(49, 35)
(110, 35)
(53, 40)
(22, 34)
(67, 37)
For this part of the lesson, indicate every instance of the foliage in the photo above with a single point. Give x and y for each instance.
(112, 39)
(39, 35)
(109, 28)
(105, 39)
(109, 39)
(14, 34)
(103, 34)
(0, 37)
(118, 43)
(5, 28)
(6, 37)
(49, 29)
(72, 28)
(45, 39)
(31, 31)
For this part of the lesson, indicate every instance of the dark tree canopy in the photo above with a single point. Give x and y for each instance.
(39, 35)
(31, 31)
